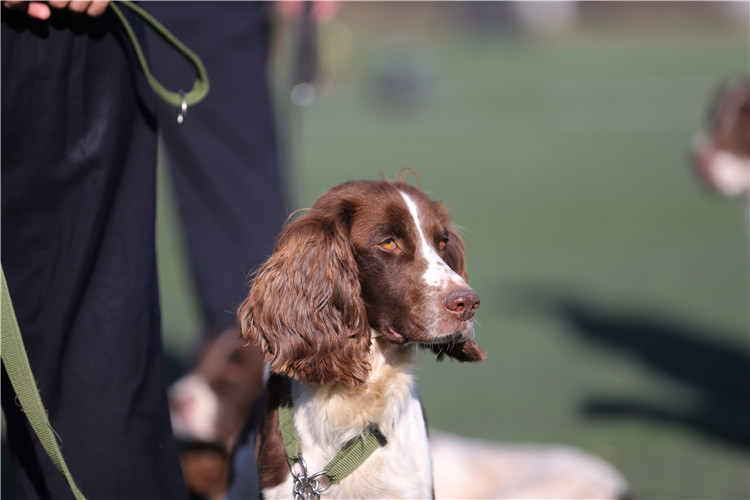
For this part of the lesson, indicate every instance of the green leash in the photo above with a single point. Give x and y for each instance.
(19, 372)
(180, 99)
(344, 463)
(11, 343)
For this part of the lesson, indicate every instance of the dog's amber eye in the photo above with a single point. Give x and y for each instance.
(388, 244)
(441, 244)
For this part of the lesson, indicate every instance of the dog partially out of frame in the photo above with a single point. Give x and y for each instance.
(372, 271)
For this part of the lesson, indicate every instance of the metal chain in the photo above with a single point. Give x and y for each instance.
(307, 487)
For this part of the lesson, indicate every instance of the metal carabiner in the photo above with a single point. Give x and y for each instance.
(183, 108)
(307, 487)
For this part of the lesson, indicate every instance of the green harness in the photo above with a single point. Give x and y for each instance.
(344, 463)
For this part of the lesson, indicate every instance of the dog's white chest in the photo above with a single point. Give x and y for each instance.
(400, 469)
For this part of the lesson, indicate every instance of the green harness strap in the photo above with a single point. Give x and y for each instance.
(11, 344)
(344, 463)
(19, 372)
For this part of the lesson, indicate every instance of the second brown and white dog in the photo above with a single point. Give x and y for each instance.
(373, 270)
(721, 150)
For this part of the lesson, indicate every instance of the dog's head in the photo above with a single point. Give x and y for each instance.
(721, 150)
(369, 255)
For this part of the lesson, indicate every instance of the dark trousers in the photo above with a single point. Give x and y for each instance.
(78, 205)
(224, 158)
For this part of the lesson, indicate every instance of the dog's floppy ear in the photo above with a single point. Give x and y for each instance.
(304, 309)
(455, 257)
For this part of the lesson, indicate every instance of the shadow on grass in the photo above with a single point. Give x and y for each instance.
(716, 372)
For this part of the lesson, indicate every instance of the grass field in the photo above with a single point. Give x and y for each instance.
(614, 292)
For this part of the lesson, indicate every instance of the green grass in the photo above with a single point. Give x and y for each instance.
(566, 166)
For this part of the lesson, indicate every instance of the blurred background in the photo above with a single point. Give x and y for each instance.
(614, 287)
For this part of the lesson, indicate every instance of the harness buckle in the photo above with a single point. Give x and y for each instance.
(307, 487)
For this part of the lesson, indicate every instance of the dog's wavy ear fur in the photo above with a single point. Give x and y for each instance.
(455, 257)
(304, 309)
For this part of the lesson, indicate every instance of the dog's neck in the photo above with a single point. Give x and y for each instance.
(338, 412)
(327, 416)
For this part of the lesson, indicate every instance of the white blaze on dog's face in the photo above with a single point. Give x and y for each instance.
(193, 409)
(721, 151)
(210, 403)
(368, 256)
(405, 246)
(438, 273)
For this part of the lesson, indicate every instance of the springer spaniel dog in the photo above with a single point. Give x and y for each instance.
(721, 150)
(372, 271)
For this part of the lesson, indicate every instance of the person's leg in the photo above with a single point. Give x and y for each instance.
(224, 159)
(78, 213)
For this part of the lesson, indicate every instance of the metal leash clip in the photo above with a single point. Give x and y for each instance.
(183, 108)
(307, 487)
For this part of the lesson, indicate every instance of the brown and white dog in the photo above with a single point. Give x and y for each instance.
(721, 150)
(209, 406)
(373, 270)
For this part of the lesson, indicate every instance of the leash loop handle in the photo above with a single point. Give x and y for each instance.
(180, 99)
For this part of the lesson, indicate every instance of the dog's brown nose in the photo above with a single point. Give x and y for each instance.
(462, 303)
